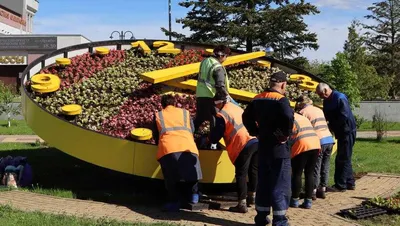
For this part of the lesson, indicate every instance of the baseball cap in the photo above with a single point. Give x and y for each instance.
(279, 76)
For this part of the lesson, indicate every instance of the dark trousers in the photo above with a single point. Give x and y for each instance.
(273, 189)
(321, 171)
(304, 162)
(246, 164)
(177, 190)
(343, 167)
(205, 111)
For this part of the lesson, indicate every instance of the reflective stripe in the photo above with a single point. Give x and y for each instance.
(321, 127)
(317, 120)
(279, 212)
(236, 127)
(263, 209)
(305, 129)
(297, 127)
(207, 80)
(304, 136)
(184, 127)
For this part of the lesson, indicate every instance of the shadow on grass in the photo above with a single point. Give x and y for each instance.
(58, 172)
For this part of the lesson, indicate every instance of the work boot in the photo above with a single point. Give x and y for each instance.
(321, 193)
(261, 220)
(336, 188)
(171, 207)
(195, 199)
(251, 197)
(294, 202)
(307, 204)
(240, 208)
(314, 194)
(351, 187)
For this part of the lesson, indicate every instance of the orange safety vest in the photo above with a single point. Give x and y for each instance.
(235, 135)
(304, 137)
(176, 134)
(318, 121)
(269, 95)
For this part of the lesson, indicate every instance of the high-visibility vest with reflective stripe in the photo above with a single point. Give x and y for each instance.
(304, 137)
(317, 119)
(175, 132)
(270, 96)
(236, 135)
(205, 82)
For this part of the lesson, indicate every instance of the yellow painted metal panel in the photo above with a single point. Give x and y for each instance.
(185, 70)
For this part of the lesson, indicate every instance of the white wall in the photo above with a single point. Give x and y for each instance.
(8, 30)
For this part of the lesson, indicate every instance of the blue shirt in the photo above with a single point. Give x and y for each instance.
(338, 114)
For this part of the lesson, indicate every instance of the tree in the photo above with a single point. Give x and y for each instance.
(383, 40)
(249, 23)
(7, 105)
(371, 85)
(340, 75)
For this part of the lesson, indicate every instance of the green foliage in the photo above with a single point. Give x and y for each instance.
(316, 67)
(249, 24)
(7, 96)
(359, 120)
(341, 76)
(383, 40)
(380, 124)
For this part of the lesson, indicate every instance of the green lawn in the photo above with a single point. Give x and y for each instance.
(367, 126)
(12, 217)
(18, 127)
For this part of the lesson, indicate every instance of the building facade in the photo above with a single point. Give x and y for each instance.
(16, 16)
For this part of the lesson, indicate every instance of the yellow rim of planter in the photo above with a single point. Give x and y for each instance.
(42, 79)
(264, 63)
(141, 134)
(71, 109)
(292, 104)
(102, 50)
(299, 77)
(45, 88)
(63, 61)
(308, 85)
(210, 51)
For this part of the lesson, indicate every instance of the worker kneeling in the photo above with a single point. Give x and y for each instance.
(242, 149)
(177, 152)
(305, 147)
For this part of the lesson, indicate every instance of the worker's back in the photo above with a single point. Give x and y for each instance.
(175, 130)
(272, 112)
(317, 119)
(304, 137)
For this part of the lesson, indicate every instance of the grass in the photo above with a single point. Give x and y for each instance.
(12, 217)
(18, 127)
(367, 126)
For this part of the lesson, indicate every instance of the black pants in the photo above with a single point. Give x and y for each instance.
(305, 161)
(343, 167)
(180, 190)
(246, 164)
(205, 111)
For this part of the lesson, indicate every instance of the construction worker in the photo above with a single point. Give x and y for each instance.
(177, 152)
(242, 149)
(270, 117)
(305, 146)
(342, 123)
(212, 78)
(304, 106)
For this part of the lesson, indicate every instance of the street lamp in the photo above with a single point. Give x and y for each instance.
(269, 51)
(169, 19)
(122, 34)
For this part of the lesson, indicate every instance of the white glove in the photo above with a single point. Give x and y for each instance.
(213, 146)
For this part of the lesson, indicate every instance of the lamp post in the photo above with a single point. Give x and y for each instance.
(169, 19)
(269, 51)
(122, 34)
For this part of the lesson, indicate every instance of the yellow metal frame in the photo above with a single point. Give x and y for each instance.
(115, 153)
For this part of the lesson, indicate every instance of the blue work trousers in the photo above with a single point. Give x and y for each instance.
(343, 167)
(273, 189)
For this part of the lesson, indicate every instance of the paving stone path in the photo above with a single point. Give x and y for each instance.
(322, 213)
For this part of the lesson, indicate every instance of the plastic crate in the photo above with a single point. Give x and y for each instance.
(362, 212)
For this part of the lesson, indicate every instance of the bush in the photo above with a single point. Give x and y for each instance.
(359, 120)
(7, 95)
(380, 124)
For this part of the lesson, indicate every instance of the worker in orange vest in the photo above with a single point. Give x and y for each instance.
(177, 152)
(241, 147)
(316, 116)
(305, 147)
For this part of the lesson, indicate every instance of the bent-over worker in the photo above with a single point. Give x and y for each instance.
(270, 117)
(241, 147)
(343, 124)
(305, 147)
(316, 116)
(177, 152)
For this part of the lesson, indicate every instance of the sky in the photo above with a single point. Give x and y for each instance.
(97, 19)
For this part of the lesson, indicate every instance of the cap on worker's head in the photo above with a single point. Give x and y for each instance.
(220, 97)
(279, 76)
(222, 50)
(302, 101)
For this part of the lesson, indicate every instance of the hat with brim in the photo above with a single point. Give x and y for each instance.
(279, 76)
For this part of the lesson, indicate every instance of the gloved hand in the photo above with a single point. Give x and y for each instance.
(280, 137)
(213, 147)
